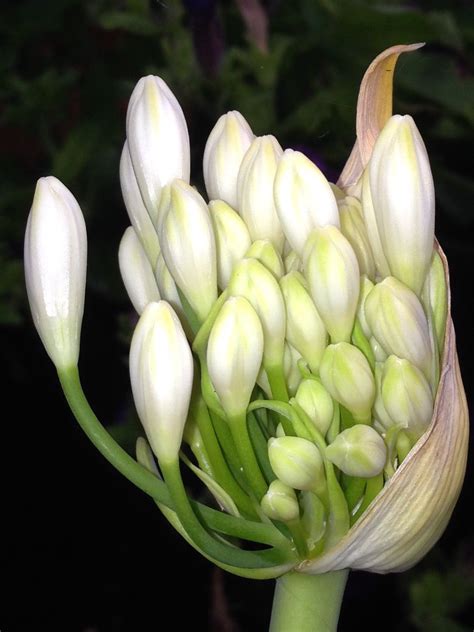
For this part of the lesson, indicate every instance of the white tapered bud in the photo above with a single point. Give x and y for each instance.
(264, 251)
(398, 322)
(296, 462)
(189, 248)
(280, 502)
(255, 190)
(157, 137)
(55, 269)
(316, 402)
(358, 451)
(402, 191)
(226, 146)
(303, 197)
(368, 211)
(161, 374)
(232, 239)
(234, 354)
(346, 374)
(332, 272)
(353, 228)
(136, 271)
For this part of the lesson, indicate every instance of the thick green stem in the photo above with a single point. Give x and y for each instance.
(308, 603)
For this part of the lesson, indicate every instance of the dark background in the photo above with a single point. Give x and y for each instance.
(81, 550)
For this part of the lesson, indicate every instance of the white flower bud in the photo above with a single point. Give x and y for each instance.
(407, 396)
(292, 262)
(290, 367)
(316, 403)
(370, 221)
(379, 411)
(232, 239)
(234, 354)
(157, 138)
(398, 322)
(265, 252)
(137, 212)
(226, 146)
(136, 271)
(296, 462)
(280, 502)
(166, 285)
(353, 228)
(254, 282)
(332, 272)
(403, 197)
(255, 190)
(346, 374)
(365, 286)
(161, 373)
(303, 197)
(189, 248)
(437, 292)
(55, 269)
(305, 330)
(358, 451)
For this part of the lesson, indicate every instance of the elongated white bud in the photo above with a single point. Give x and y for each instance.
(136, 271)
(137, 212)
(403, 196)
(189, 248)
(234, 354)
(291, 357)
(353, 228)
(255, 190)
(264, 251)
(332, 272)
(398, 322)
(305, 329)
(226, 146)
(368, 211)
(315, 400)
(346, 374)
(232, 239)
(303, 197)
(161, 374)
(365, 286)
(437, 296)
(280, 502)
(358, 451)
(158, 139)
(296, 462)
(380, 413)
(254, 282)
(407, 396)
(55, 269)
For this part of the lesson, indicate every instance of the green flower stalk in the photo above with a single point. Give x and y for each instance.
(294, 352)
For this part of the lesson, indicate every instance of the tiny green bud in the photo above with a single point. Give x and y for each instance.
(136, 271)
(255, 190)
(436, 289)
(232, 239)
(234, 354)
(353, 228)
(407, 396)
(305, 330)
(265, 252)
(332, 272)
(292, 262)
(296, 462)
(280, 502)
(303, 197)
(189, 248)
(317, 403)
(346, 374)
(358, 451)
(398, 322)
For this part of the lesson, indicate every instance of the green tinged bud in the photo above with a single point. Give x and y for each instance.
(316, 403)
(407, 396)
(346, 374)
(332, 272)
(353, 228)
(305, 330)
(136, 271)
(292, 262)
(365, 286)
(437, 291)
(379, 411)
(291, 370)
(358, 451)
(297, 463)
(280, 502)
(398, 322)
(265, 252)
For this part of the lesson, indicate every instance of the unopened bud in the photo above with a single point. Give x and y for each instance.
(305, 330)
(316, 402)
(358, 451)
(365, 286)
(291, 370)
(292, 262)
(265, 252)
(346, 374)
(333, 276)
(303, 197)
(136, 271)
(353, 228)
(280, 502)
(370, 222)
(255, 190)
(234, 354)
(296, 462)
(436, 290)
(225, 148)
